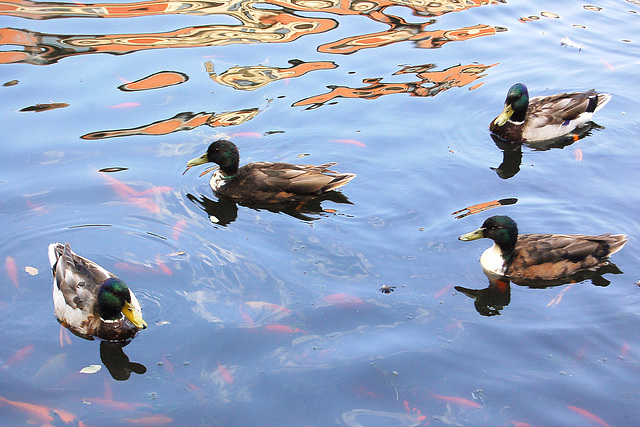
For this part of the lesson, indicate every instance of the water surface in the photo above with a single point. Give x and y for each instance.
(275, 318)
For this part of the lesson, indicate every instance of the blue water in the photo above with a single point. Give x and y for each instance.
(275, 318)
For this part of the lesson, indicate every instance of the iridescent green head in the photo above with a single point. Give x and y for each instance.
(222, 152)
(501, 229)
(515, 106)
(114, 299)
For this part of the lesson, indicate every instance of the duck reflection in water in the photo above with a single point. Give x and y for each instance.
(224, 211)
(117, 362)
(489, 301)
(512, 152)
(492, 299)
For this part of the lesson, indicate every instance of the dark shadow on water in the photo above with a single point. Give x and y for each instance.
(117, 362)
(512, 151)
(491, 300)
(224, 211)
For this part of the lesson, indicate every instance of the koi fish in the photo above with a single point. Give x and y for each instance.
(143, 202)
(247, 319)
(420, 417)
(588, 415)
(247, 134)
(154, 190)
(134, 268)
(114, 404)
(282, 329)
(460, 401)
(168, 365)
(225, 374)
(177, 229)
(342, 298)
(12, 270)
(163, 267)
(267, 305)
(121, 189)
(442, 291)
(19, 356)
(624, 350)
(125, 106)
(40, 413)
(64, 336)
(133, 196)
(606, 64)
(350, 141)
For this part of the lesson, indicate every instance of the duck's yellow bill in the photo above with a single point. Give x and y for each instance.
(198, 161)
(474, 235)
(133, 316)
(504, 116)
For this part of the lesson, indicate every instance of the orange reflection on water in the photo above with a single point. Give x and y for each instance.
(408, 32)
(155, 81)
(373, 8)
(457, 76)
(257, 76)
(258, 25)
(181, 121)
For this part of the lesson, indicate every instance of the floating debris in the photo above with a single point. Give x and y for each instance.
(113, 169)
(481, 207)
(44, 107)
(11, 83)
(31, 270)
(567, 42)
(91, 369)
(387, 289)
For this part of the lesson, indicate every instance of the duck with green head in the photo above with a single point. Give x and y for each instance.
(89, 300)
(542, 118)
(266, 182)
(541, 257)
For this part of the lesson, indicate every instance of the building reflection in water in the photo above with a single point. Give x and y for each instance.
(277, 24)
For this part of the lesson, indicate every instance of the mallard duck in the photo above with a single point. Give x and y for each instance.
(541, 257)
(541, 118)
(89, 300)
(266, 182)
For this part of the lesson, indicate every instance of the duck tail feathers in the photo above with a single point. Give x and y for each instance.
(617, 241)
(339, 181)
(601, 100)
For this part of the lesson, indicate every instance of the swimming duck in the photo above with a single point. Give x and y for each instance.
(541, 257)
(266, 182)
(541, 118)
(89, 300)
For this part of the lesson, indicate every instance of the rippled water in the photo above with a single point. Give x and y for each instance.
(260, 317)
